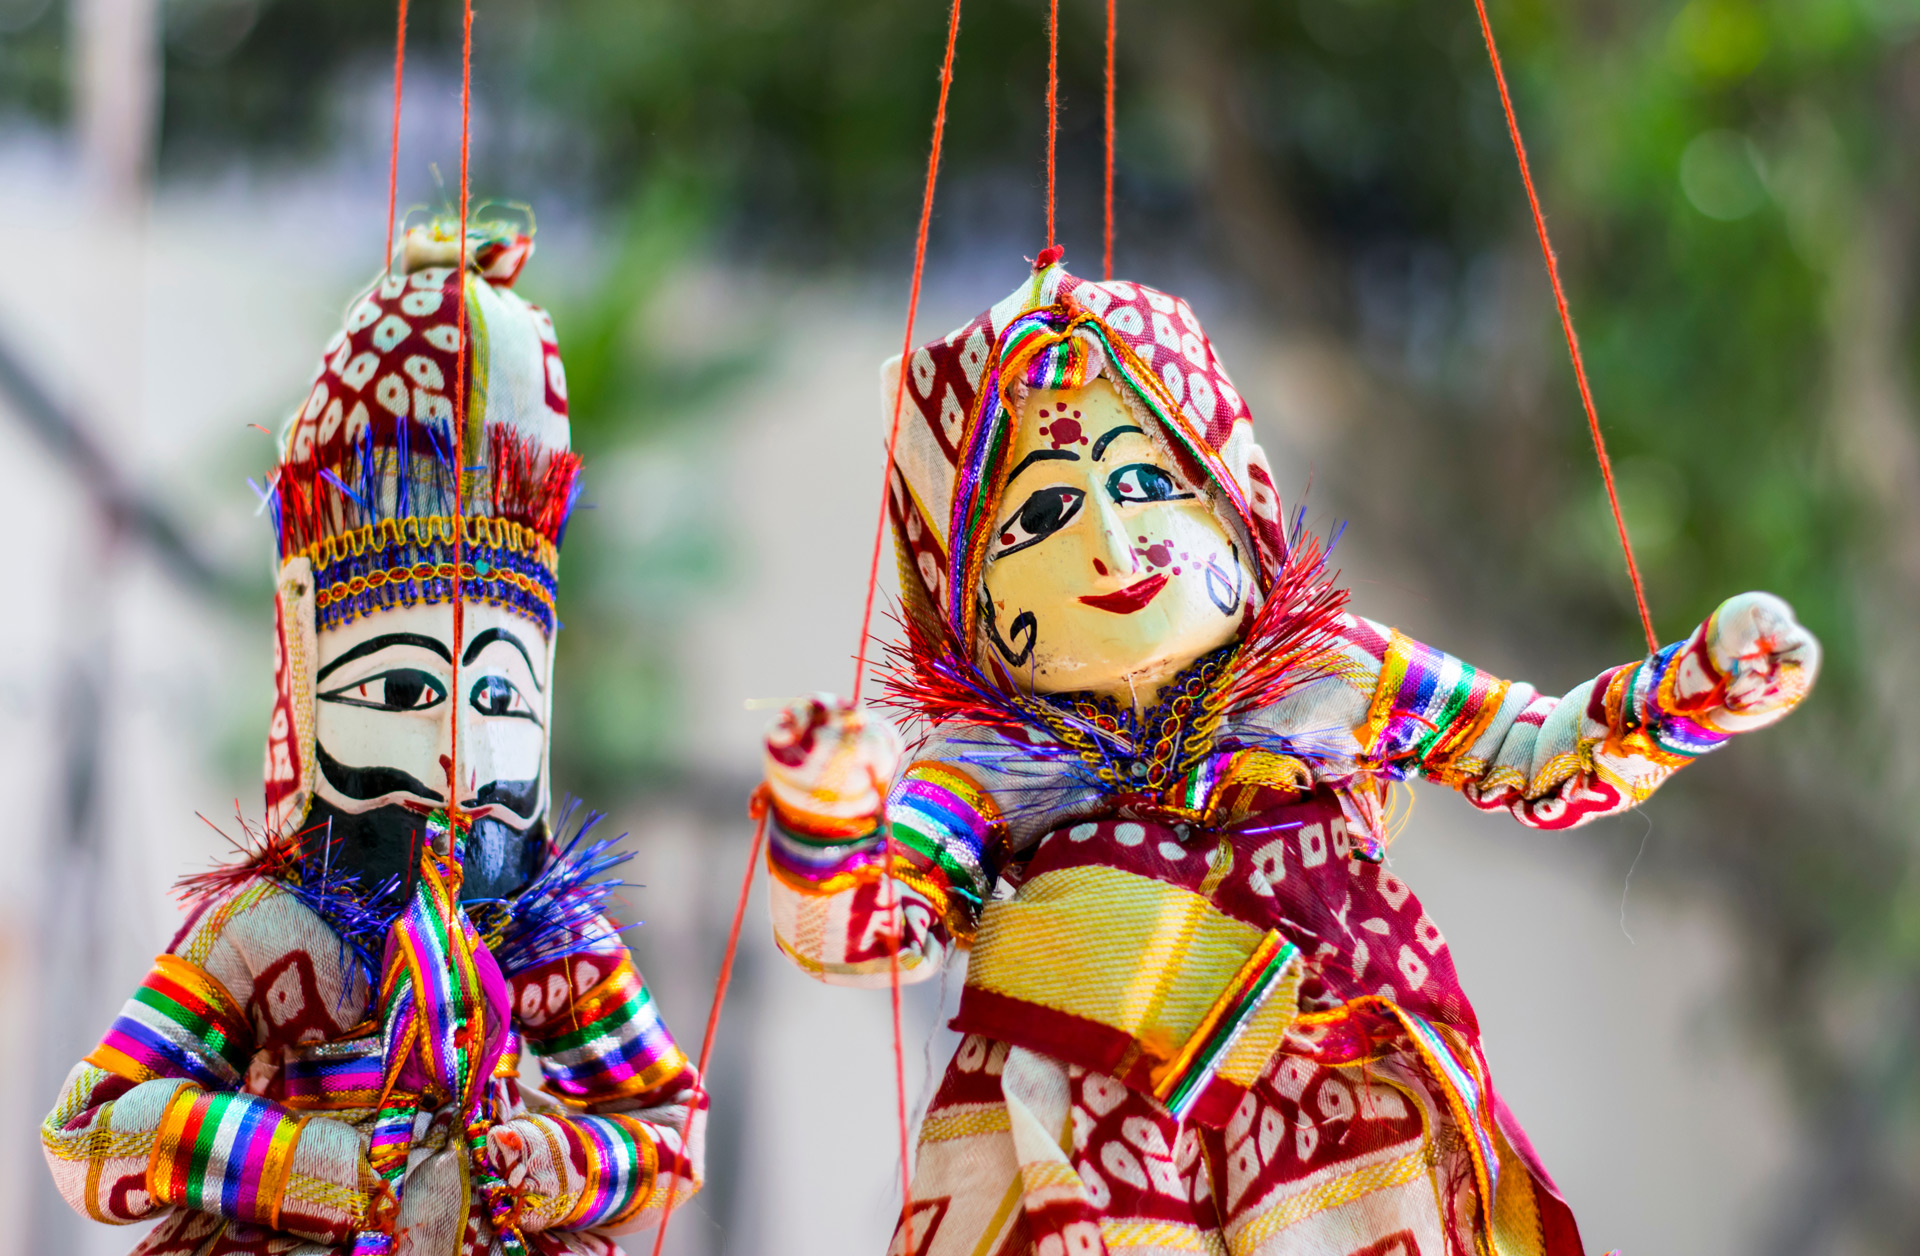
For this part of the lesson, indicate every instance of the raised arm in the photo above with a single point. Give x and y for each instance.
(1608, 743)
(157, 1115)
(612, 1150)
(831, 778)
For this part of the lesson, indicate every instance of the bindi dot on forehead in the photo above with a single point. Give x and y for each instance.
(1065, 431)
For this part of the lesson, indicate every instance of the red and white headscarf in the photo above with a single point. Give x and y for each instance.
(1057, 331)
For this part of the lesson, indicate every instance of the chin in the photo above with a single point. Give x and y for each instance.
(379, 846)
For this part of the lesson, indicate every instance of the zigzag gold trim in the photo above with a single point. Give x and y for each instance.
(940, 1129)
(429, 530)
(1267, 1222)
(1159, 1235)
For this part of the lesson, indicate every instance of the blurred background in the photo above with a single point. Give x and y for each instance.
(1706, 1012)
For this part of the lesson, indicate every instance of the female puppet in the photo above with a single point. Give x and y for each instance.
(1201, 1014)
(327, 1056)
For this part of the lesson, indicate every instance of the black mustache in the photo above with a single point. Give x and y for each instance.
(366, 784)
(519, 797)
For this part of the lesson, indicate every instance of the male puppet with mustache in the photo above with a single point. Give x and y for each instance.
(327, 1057)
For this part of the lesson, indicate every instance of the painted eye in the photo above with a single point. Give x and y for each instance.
(496, 695)
(1039, 517)
(1144, 482)
(402, 689)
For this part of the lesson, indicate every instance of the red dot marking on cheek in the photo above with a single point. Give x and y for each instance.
(1160, 555)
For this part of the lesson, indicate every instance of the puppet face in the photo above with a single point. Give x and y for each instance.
(1109, 570)
(383, 710)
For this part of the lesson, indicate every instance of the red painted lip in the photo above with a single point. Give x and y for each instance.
(1130, 599)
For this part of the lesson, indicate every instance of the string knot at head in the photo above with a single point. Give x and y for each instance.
(1049, 256)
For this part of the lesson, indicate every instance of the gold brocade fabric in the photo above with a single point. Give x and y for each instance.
(1146, 959)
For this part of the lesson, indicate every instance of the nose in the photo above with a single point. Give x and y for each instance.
(477, 752)
(1113, 550)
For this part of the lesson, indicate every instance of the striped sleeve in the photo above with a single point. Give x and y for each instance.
(1604, 746)
(181, 1023)
(249, 1159)
(598, 1032)
(150, 1120)
(834, 895)
(633, 1132)
(591, 1172)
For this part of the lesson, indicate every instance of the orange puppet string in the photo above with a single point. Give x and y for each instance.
(1053, 105)
(1112, 39)
(460, 419)
(393, 156)
(759, 808)
(873, 576)
(899, 1048)
(1566, 325)
(906, 349)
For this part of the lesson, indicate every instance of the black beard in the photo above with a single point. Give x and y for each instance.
(381, 845)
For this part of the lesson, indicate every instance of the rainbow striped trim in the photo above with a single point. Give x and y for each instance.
(334, 1075)
(817, 867)
(1180, 1082)
(942, 814)
(613, 1046)
(1428, 706)
(617, 1157)
(1674, 730)
(1466, 1095)
(388, 1144)
(226, 1154)
(1046, 359)
(181, 1022)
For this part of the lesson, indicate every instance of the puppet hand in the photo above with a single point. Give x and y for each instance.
(332, 1190)
(522, 1155)
(1767, 662)
(828, 766)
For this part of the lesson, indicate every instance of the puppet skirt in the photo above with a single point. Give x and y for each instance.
(1022, 1155)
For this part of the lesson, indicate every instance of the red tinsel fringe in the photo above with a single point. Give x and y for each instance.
(1288, 644)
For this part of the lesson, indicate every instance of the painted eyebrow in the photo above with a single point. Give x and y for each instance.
(1100, 446)
(1042, 455)
(384, 642)
(492, 635)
